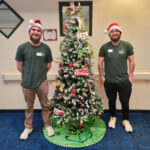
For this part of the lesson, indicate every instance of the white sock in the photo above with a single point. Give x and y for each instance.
(50, 131)
(112, 122)
(25, 133)
(127, 126)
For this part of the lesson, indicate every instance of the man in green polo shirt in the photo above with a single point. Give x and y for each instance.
(34, 60)
(116, 78)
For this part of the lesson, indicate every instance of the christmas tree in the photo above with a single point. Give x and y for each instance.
(75, 97)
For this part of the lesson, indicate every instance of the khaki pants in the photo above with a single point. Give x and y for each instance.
(29, 94)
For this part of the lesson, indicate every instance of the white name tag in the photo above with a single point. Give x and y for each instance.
(110, 50)
(39, 54)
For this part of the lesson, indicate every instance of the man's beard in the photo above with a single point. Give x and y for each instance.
(35, 41)
(115, 39)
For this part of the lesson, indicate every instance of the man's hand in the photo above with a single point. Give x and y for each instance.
(102, 79)
(131, 79)
(19, 65)
(100, 69)
(131, 67)
(48, 65)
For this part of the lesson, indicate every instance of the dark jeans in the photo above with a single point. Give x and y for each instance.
(124, 90)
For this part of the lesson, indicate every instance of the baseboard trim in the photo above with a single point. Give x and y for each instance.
(131, 111)
(39, 110)
(17, 111)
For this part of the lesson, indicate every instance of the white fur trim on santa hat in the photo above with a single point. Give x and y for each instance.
(114, 27)
(111, 28)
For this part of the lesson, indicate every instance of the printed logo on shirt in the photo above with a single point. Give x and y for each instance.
(110, 50)
(121, 51)
(40, 54)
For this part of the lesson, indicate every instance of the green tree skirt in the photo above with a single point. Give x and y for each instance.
(72, 135)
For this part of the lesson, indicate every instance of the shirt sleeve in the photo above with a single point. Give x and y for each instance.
(130, 49)
(19, 54)
(102, 52)
(49, 57)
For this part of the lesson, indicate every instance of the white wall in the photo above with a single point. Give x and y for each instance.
(133, 16)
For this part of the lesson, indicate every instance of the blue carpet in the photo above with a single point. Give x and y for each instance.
(11, 126)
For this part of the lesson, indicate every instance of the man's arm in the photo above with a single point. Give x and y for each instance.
(48, 65)
(131, 67)
(100, 68)
(19, 66)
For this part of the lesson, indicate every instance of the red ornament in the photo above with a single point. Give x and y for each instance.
(89, 55)
(80, 124)
(60, 64)
(66, 26)
(70, 65)
(60, 114)
(73, 124)
(85, 65)
(88, 85)
(80, 102)
(73, 91)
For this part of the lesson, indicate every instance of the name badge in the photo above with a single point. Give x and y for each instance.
(110, 50)
(39, 54)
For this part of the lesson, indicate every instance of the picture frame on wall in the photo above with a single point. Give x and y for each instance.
(49, 34)
(86, 14)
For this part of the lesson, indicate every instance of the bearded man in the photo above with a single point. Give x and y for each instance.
(115, 76)
(34, 60)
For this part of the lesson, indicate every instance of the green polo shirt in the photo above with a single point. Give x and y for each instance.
(115, 62)
(34, 60)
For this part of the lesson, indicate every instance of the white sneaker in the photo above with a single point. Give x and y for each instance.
(25, 133)
(127, 126)
(112, 122)
(50, 131)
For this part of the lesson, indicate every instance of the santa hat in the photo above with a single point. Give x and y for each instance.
(36, 23)
(113, 26)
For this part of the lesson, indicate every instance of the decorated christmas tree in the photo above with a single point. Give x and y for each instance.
(75, 97)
